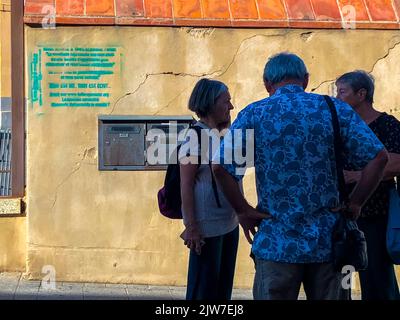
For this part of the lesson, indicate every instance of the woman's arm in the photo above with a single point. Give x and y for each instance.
(191, 235)
(392, 169)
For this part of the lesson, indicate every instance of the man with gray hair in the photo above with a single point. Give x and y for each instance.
(296, 182)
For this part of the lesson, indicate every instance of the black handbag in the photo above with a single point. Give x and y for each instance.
(349, 246)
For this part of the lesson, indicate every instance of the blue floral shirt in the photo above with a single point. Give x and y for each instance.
(295, 170)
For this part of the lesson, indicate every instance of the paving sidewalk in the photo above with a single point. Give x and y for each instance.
(13, 286)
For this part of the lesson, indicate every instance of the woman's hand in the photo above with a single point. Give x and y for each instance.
(192, 238)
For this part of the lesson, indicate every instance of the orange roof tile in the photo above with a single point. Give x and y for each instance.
(367, 14)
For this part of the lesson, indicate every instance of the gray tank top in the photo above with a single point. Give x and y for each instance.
(213, 221)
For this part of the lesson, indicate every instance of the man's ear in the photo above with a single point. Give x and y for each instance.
(305, 82)
(269, 87)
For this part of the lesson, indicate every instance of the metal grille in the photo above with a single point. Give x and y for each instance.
(5, 162)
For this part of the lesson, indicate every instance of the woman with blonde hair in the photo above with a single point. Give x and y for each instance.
(211, 225)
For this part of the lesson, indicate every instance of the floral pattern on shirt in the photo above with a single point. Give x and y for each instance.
(295, 170)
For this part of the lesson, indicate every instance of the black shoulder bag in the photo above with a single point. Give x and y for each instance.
(349, 246)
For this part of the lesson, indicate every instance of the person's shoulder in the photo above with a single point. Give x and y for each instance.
(192, 133)
(389, 119)
(344, 110)
(257, 104)
(314, 95)
(320, 99)
(341, 104)
(251, 108)
(388, 124)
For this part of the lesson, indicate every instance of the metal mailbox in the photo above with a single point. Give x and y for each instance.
(123, 143)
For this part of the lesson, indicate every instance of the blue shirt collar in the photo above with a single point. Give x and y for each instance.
(289, 88)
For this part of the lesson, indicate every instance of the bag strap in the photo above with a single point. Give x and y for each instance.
(197, 129)
(214, 186)
(343, 222)
(213, 182)
(338, 150)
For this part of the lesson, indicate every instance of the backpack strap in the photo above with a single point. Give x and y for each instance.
(198, 129)
(214, 186)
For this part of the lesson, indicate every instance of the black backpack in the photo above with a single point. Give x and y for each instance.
(169, 196)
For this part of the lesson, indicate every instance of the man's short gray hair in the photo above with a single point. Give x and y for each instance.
(358, 80)
(284, 66)
(204, 95)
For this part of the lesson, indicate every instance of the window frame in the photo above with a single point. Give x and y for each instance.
(17, 100)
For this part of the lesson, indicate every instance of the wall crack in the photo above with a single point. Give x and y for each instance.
(169, 103)
(372, 69)
(61, 183)
(248, 39)
(213, 74)
(385, 56)
(167, 73)
(322, 83)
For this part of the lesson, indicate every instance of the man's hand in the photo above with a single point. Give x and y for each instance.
(351, 176)
(350, 211)
(250, 220)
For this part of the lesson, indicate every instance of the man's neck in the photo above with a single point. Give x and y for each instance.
(285, 83)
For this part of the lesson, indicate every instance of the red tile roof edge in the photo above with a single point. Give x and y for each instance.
(236, 23)
(382, 14)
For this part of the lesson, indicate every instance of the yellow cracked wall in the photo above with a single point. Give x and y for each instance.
(104, 226)
(12, 243)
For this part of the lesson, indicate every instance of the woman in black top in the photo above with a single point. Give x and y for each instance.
(378, 282)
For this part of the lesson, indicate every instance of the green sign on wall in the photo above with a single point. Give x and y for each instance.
(73, 77)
